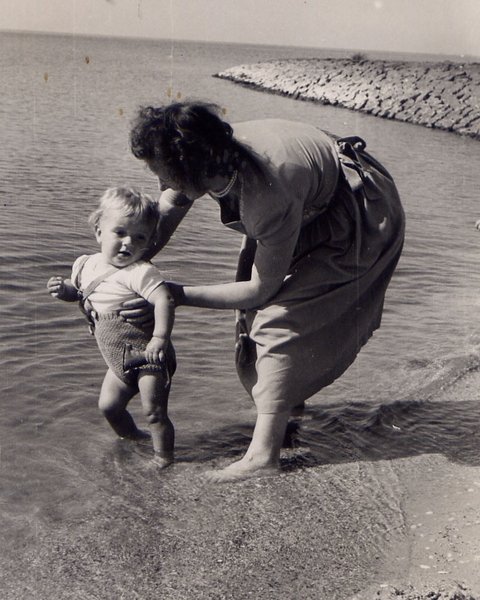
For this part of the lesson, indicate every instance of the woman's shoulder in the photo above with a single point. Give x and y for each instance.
(281, 141)
(277, 127)
(297, 158)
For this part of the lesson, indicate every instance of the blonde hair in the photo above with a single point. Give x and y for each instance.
(131, 202)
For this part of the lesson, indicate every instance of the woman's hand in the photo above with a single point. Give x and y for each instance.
(138, 312)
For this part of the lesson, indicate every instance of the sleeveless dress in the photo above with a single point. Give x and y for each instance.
(345, 210)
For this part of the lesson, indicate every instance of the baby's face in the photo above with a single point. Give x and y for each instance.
(123, 239)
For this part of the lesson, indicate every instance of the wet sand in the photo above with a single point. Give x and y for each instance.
(354, 530)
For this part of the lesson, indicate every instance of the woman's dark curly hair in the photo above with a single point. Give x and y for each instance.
(189, 138)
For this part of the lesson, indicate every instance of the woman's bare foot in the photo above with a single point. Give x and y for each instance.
(263, 454)
(240, 470)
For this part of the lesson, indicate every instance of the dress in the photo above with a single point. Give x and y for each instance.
(346, 211)
(112, 332)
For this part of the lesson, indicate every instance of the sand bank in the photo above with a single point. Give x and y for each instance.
(442, 95)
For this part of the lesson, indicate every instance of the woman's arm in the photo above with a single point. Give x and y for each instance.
(246, 259)
(268, 272)
(173, 208)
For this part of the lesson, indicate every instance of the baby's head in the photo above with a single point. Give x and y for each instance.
(124, 224)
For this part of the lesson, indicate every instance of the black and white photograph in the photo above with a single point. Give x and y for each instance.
(240, 300)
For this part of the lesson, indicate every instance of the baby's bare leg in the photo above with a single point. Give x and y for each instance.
(154, 392)
(114, 398)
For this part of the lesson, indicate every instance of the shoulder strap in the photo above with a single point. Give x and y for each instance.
(96, 282)
(84, 304)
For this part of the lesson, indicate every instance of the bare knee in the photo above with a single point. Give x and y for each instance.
(108, 405)
(114, 395)
(156, 414)
(154, 396)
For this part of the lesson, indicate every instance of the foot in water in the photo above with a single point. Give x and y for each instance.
(239, 471)
(161, 460)
(263, 454)
(137, 436)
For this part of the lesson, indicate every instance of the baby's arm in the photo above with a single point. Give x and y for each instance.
(164, 313)
(63, 289)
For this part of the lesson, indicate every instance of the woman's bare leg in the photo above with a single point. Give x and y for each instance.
(263, 454)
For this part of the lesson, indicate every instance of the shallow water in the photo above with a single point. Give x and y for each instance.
(66, 107)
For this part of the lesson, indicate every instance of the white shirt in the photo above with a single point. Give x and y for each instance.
(138, 279)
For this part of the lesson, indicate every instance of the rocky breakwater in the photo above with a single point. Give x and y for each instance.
(441, 95)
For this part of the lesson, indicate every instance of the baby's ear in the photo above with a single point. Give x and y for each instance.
(98, 234)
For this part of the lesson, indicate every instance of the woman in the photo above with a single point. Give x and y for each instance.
(323, 228)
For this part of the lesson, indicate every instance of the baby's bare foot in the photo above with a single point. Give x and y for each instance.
(138, 435)
(161, 460)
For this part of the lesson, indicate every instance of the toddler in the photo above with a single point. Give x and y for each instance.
(125, 224)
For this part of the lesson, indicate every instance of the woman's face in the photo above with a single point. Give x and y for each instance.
(168, 181)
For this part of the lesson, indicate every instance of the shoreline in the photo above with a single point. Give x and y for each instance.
(438, 95)
(404, 528)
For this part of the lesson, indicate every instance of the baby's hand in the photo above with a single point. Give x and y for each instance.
(155, 350)
(56, 287)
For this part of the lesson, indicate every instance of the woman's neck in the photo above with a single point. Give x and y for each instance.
(226, 189)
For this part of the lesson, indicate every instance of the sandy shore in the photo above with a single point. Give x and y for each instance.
(442, 95)
(405, 528)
